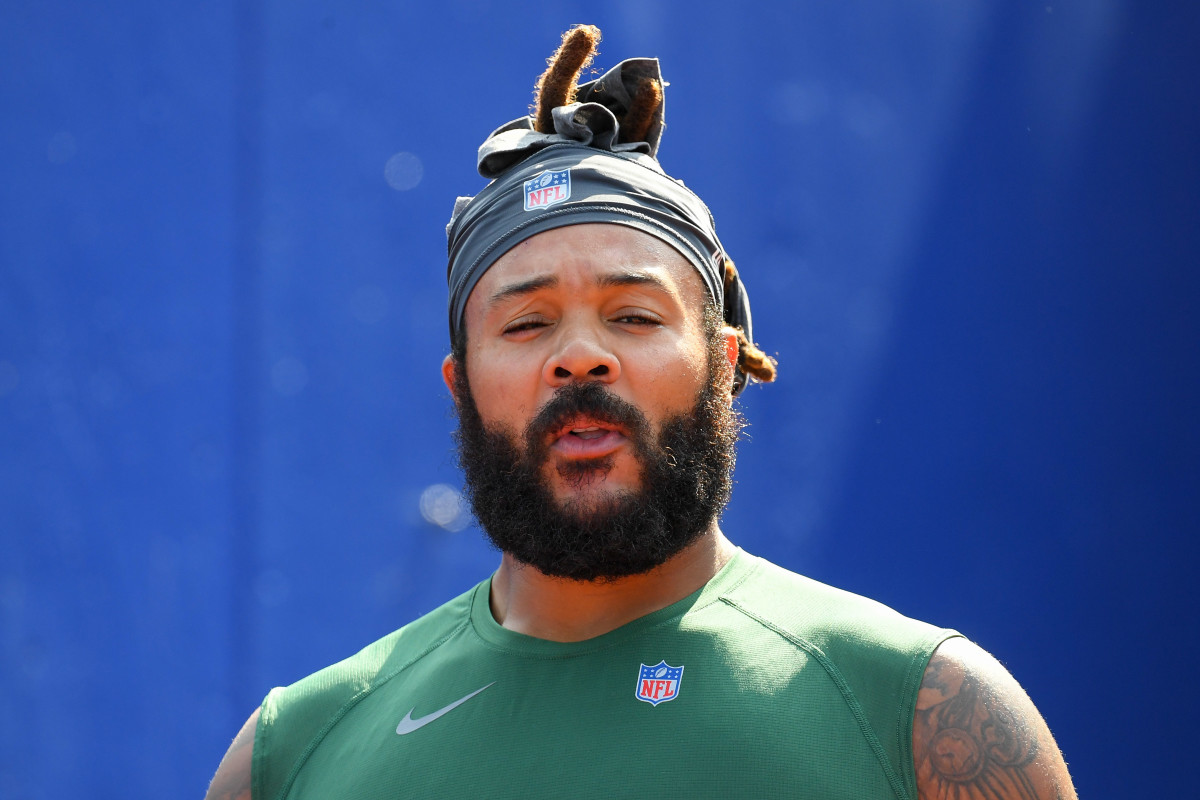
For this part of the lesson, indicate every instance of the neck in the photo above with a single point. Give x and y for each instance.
(561, 610)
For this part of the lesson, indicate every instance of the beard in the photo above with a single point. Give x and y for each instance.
(686, 479)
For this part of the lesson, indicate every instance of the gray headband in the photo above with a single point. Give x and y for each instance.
(583, 173)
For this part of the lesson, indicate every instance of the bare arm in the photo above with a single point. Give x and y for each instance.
(232, 781)
(977, 735)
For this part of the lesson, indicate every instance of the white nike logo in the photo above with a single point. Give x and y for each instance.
(408, 724)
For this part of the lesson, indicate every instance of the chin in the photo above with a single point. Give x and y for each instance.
(593, 481)
(592, 495)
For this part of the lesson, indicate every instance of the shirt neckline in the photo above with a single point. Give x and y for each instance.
(739, 567)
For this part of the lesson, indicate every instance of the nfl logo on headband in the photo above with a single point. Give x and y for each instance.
(547, 189)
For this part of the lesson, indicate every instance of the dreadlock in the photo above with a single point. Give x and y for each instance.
(752, 361)
(646, 101)
(556, 87)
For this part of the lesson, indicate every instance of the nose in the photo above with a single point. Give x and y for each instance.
(580, 353)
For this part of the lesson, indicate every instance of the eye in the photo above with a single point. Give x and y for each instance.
(525, 324)
(640, 318)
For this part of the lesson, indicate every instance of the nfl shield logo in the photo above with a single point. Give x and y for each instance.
(547, 189)
(659, 683)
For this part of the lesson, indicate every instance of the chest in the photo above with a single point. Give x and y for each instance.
(668, 718)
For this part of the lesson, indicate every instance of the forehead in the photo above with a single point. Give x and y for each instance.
(577, 254)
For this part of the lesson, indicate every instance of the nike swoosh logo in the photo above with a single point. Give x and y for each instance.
(408, 724)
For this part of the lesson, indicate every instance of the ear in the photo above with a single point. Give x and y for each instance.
(448, 367)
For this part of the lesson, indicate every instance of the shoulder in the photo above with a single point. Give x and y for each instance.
(828, 619)
(976, 733)
(293, 719)
(377, 661)
(873, 655)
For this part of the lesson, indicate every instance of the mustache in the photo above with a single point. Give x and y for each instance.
(585, 399)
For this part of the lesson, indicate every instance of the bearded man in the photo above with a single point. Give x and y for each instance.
(625, 647)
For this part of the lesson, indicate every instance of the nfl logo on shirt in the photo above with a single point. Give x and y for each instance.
(547, 189)
(659, 683)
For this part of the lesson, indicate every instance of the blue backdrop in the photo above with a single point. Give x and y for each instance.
(970, 230)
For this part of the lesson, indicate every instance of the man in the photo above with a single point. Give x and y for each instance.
(625, 647)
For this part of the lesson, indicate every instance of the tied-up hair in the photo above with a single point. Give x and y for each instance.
(559, 84)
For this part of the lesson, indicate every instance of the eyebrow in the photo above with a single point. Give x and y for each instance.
(632, 279)
(608, 280)
(522, 288)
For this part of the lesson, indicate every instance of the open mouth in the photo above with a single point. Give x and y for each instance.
(591, 432)
(587, 438)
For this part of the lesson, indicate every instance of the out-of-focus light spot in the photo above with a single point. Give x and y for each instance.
(61, 148)
(403, 171)
(444, 506)
(272, 587)
(289, 376)
(369, 304)
(10, 378)
(801, 103)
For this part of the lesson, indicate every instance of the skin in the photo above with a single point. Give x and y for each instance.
(608, 303)
(232, 781)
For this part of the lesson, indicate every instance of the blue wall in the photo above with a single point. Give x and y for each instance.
(970, 230)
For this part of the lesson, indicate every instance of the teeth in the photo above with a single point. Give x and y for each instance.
(585, 430)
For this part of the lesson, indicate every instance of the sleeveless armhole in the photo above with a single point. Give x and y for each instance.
(293, 719)
(875, 656)
(908, 706)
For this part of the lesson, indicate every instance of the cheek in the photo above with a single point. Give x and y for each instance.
(503, 390)
(670, 376)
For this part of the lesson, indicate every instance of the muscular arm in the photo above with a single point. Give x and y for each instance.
(232, 781)
(977, 735)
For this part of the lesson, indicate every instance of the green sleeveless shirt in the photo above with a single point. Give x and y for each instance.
(762, 684)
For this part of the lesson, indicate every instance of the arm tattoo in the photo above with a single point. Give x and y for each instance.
(974, 738)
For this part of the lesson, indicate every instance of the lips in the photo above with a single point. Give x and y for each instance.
(584, 437)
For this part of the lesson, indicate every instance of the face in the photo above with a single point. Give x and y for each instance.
(595, 406)
(593, 303)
